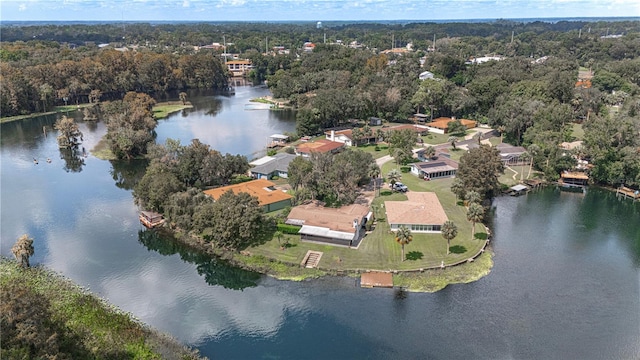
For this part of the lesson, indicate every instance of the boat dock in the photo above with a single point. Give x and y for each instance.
(376, 279)
(151, 219)
(627, 193)
(573, 181)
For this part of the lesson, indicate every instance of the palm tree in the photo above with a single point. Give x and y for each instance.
(475, 214)
(473, 197)
(524, 157)
(183, 97)
(393, 176)
(533, 151)
(501, 130)
(403, 237)
(23, 249)
(374, 172)
(452, 140)
(449, 231)
(458, 188)
(429, 152)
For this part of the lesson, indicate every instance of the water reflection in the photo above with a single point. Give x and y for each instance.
(73, 159)
(215, 271)
(127, 174)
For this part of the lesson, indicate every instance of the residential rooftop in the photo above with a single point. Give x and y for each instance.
(420, 208)
(336, 219)
(319, 146)
(263, 189)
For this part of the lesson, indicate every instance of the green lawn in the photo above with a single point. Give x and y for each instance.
(382, 150)
(57, 109)
(435, 139)
(578, 132)
(164, 109)
(378, 250)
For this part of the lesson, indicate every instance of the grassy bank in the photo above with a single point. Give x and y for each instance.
(44, 315)
(438, 279)
(163, 109)
(57, 109)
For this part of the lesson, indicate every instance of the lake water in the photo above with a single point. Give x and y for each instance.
(565, 285)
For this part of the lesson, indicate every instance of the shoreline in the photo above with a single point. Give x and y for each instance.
(57, 109)
(428, 280)
(90, 324)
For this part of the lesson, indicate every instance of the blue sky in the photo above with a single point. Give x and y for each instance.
(313, 10)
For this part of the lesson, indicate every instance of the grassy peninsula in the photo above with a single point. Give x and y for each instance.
(45, 315)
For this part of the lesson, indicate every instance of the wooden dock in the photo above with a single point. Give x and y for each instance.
(627, 193)
(151, 219)
(376, 279)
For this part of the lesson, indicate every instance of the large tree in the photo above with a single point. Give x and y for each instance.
(69, 132)
(23, 249)
(401, 144)
(403, 237)
(233, 221)
(479, 170)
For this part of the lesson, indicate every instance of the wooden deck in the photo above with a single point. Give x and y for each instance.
(376, 279)
(311, 259)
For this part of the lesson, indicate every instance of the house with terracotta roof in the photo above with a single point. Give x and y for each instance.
(441, 124)
(269, 197)
(319, 146)
(421, 213)
(335, 226)
(418, 129)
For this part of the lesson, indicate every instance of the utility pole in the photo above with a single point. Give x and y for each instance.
(512, 32)
(224, 40)
(579, 33)
(434, 42)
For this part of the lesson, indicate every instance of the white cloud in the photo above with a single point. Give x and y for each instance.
(22, 7)
(186, 3)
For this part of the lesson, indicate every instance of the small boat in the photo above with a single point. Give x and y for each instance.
(151, 219)
(35, 161)
(48, 160)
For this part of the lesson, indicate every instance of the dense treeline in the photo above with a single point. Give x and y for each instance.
(42, 74)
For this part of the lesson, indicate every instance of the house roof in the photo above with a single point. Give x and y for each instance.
(279, 137)
(262, 160)
(262, 189)
(518, 187)
(320, 146)
(434, 166)
(416, 128)
(443, 122)
(574, 175)
(507, 149)
(240, 62)
(420, 208)
(348, 133)
(334, 219)
(279, 162)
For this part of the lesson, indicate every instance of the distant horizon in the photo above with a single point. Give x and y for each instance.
(330, 22)
(310, 10)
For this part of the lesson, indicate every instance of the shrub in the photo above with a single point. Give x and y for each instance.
(377, 148)
(275, 177)
(288, 229)
(385, 192)
(272, 152)
(240, 179)
(405, 169)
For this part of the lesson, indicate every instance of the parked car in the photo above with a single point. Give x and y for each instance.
(399, 187)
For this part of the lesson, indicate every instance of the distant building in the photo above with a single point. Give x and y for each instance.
(426, 75)
(319, 25)
(270, 166)
(484, 59)
(441, 124)
(308, 47)
(239, 67)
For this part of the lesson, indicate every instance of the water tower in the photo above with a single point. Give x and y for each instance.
(319, 25)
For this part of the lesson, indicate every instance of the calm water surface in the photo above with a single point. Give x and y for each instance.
(565, 285)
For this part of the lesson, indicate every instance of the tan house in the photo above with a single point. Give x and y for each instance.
(336, 226)
(421, 213)
(239, 67)
(269, 197)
